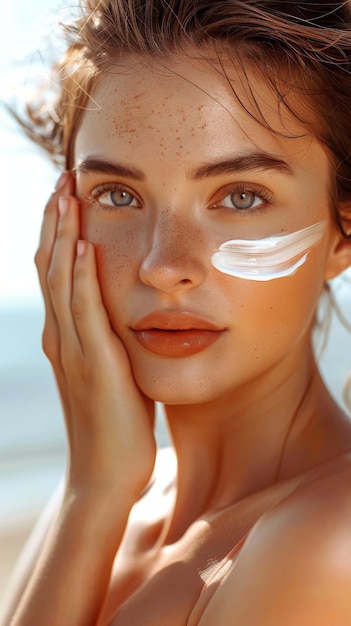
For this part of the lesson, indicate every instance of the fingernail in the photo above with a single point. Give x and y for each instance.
(62, 205)
(81, 246)
(61, 181)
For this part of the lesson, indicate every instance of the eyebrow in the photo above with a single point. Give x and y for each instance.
(93, 165)
(242, 163)
(239, 163)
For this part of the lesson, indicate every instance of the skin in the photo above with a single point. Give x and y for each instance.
(256, 434)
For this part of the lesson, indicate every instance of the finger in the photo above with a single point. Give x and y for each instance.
(51, 335)
(64, 186)
(43, 259)
(90, 316)
(60, 274)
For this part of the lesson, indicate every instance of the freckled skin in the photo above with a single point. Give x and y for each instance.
(158, 255)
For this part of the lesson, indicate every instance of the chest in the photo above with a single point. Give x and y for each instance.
(162, 588)
(154, 584)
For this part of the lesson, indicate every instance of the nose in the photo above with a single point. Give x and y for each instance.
(174, 260)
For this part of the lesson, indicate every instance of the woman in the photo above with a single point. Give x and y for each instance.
(205, 203)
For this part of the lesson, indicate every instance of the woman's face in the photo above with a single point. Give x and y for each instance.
(168, 167)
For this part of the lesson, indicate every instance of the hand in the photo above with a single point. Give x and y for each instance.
(109, 421)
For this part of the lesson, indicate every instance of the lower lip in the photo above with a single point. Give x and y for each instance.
(177, 343)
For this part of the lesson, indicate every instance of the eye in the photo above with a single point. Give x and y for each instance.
(244, 199)
(114, 196)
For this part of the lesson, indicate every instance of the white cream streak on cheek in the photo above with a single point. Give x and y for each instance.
(269, 258)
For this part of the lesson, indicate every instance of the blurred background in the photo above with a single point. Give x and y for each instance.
(32, 445)
(32, 440)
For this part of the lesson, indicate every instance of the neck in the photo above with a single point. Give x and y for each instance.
(250, 439)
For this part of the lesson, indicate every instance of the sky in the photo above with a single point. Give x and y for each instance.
(26, 175)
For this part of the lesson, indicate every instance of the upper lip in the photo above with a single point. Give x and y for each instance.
(174, 320)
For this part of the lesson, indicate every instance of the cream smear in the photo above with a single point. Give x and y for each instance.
(269, 258)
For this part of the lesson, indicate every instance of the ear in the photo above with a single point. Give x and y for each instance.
(339, 258)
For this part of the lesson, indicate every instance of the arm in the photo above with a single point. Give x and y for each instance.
(29, 555)
(109, 427)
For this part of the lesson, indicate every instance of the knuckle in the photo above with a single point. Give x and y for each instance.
(54, 279)
(50, 344)
(61, 232)
(50, 207)
(78, 306)
(40, 258)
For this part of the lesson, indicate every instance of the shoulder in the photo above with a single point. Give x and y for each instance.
(295, 568)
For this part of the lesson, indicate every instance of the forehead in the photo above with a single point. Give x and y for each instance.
(187, 109)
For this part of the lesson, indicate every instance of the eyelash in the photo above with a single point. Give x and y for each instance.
(95, 195)
(240, 188)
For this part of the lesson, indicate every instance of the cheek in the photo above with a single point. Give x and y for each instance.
(272, 317)
(115, 247)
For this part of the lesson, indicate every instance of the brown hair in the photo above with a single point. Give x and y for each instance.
(302, 48)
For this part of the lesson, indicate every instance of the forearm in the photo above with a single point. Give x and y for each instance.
(69, 584)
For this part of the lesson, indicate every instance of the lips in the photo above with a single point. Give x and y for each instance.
(175, 333)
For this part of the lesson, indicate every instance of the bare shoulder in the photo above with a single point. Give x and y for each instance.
(295, 567)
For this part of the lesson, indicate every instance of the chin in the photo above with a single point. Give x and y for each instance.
(170, 388)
